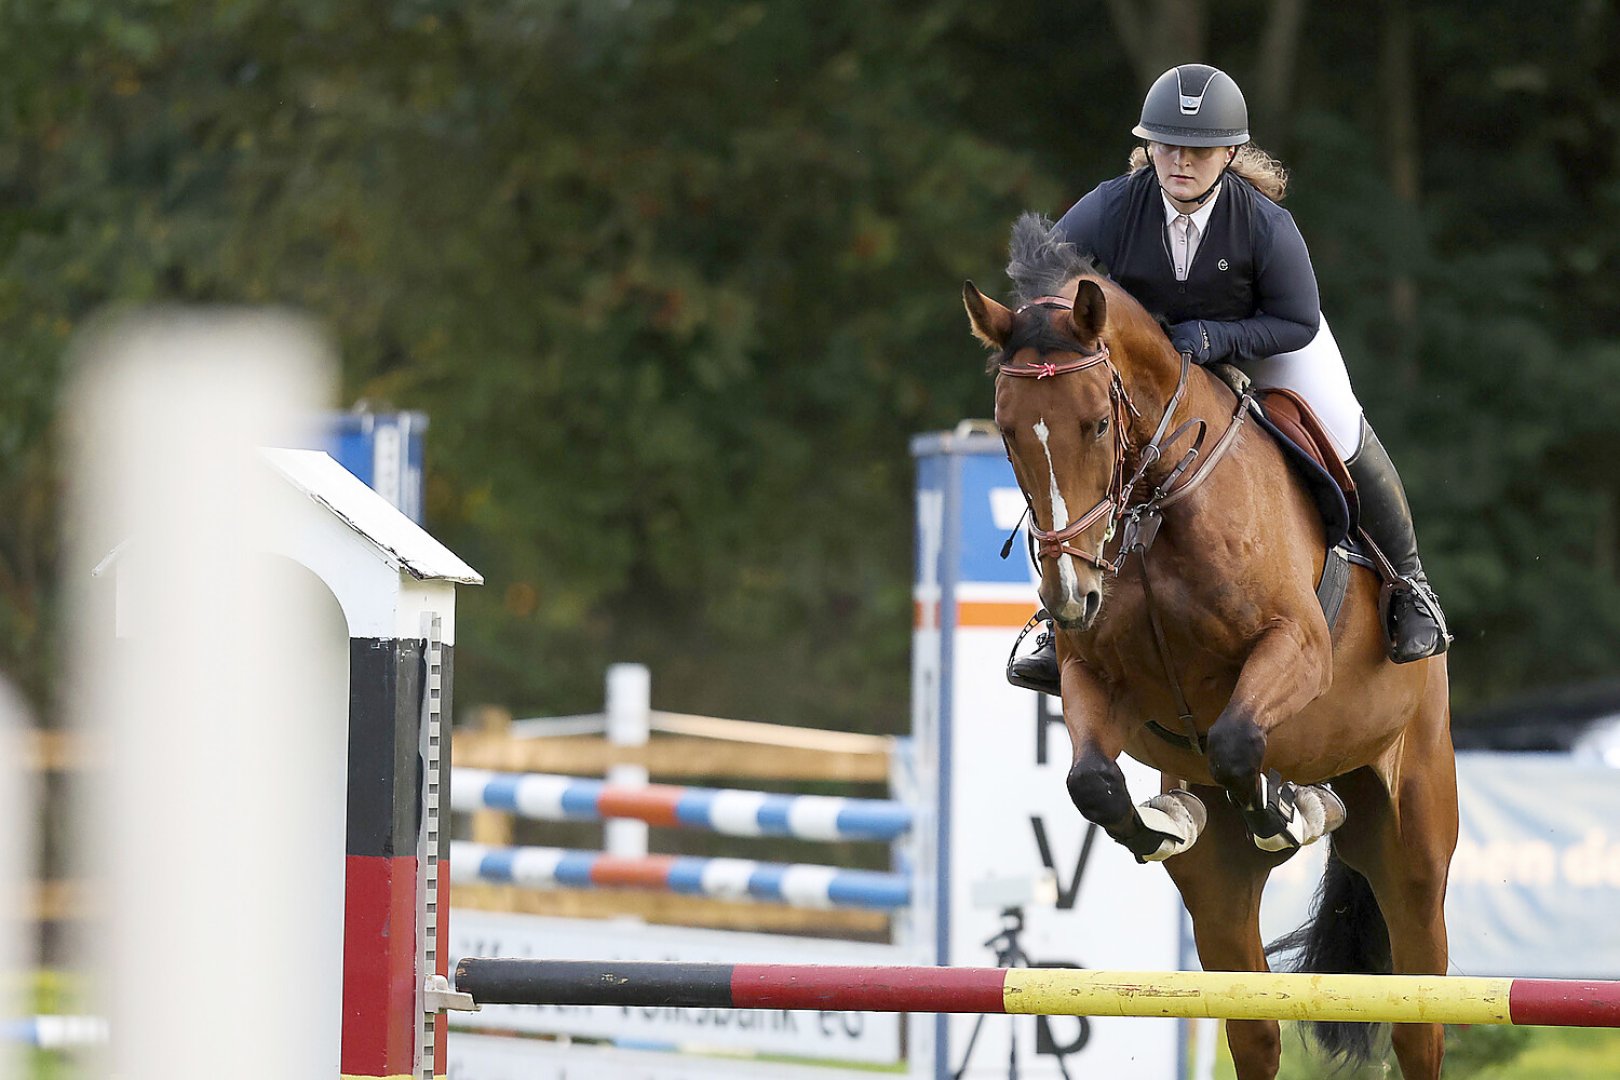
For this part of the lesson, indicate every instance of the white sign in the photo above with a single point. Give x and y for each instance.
(488, 1057)
(1011, 818)
(1005, 812)
(827, 1035)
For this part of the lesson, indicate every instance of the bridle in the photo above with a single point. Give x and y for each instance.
(1137, 521)
(1115, 504)
(1055, 543)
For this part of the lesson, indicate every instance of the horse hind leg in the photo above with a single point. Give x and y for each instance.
(1220, 881)
(1404, 848)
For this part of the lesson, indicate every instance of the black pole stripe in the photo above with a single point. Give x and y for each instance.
(649, 984)
(385, 722)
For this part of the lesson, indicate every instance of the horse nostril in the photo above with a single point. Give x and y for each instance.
(1093, 602)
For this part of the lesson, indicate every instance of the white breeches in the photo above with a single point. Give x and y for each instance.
(1317, 374)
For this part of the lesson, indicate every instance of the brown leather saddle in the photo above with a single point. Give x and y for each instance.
(1310, 451)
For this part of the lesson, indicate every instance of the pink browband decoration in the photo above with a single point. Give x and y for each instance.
(1046, 371)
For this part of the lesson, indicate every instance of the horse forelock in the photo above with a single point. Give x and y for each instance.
(1034, 329)
(1040, 262)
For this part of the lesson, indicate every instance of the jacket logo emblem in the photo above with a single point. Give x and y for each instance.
(1223, 264)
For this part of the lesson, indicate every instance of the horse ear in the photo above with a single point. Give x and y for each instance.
(992, 323)
(1090, 311)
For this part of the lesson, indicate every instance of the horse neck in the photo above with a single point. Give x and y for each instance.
(1152, 386)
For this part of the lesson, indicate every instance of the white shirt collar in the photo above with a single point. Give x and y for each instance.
(1200, 217)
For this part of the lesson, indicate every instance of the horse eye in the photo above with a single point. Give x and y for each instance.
(1102, 427)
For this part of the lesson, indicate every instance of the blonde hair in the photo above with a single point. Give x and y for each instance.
(1266, 173)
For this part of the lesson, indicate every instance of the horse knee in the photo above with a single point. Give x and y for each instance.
(1236, 747)
(1097, 789)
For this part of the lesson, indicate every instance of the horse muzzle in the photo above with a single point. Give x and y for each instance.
(1077, 612)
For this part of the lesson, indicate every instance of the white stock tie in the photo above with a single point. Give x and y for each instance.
(1182, 231)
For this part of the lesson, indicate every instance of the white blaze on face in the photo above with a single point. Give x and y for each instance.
(1060, 515)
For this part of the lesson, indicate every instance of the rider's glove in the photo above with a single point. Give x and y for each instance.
(1191, 337)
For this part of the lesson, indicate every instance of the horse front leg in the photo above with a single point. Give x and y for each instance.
(1166, 824)
(1286, 671)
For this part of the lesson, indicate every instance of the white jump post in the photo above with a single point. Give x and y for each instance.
(18, 807)
(629, 724)
(213, 853)
(249, 874)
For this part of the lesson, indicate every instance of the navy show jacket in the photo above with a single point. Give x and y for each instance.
(1250, 291)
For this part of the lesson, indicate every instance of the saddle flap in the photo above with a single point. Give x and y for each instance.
(1288, 411)
(1286, 415)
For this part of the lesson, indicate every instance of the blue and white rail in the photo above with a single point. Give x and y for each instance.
(797, 884)
(545, 797)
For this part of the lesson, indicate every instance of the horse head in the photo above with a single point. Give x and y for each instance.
(1063, 413)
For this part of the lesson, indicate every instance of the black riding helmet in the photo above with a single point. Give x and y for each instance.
(1194, 105)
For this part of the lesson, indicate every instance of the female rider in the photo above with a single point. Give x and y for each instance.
(1199, 240)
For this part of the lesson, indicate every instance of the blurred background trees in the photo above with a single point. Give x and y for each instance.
(676, 282)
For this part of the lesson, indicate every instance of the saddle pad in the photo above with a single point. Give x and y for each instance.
(1307, 447)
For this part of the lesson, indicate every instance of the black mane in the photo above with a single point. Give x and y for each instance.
(1040, 262)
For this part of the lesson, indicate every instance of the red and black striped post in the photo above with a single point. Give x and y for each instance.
(381, 983)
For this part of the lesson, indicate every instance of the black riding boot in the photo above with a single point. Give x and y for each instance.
(1417, 626)
(1038, 669)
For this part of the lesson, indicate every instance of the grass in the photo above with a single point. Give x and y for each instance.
(1482, 1053)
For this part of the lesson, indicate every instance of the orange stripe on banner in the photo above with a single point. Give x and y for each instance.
(993, 613)
(925, 613)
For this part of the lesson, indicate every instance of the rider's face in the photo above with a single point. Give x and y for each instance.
(1186, 172)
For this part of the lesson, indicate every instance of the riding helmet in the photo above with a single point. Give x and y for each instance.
(1194, 105)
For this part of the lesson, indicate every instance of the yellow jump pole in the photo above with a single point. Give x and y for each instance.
(1401, 999)
(1260, 996)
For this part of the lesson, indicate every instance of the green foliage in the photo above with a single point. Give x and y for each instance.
(1486, 1051)
(676, 283)
(1472, 1050)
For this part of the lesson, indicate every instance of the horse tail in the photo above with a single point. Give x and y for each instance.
(1345, 933)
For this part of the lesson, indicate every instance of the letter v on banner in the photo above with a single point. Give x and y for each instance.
(1069, 893)
(1004, 809)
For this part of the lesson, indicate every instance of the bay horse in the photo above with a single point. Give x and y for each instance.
(1184, 585)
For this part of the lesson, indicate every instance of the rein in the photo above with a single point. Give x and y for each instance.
(1140, 520)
